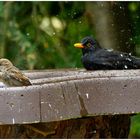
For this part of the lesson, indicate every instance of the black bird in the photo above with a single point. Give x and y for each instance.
(97, 58)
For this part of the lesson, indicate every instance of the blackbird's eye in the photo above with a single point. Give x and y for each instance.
(88, 45)
(87, 42)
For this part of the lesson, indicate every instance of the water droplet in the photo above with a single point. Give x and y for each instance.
(130, 54)
(80, 22)
(121, 55)
(121, 7)
(50, 105)
(109, 50)
(133, 112)
(28, 34)
(13, 120)
(128, 59)
(87, 95)
(125, 66)
(118, 62)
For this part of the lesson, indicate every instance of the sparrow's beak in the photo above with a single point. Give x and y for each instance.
(78, 45)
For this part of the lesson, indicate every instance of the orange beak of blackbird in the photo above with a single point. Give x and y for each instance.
(78, 45)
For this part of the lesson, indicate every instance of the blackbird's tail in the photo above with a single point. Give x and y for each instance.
(136, 63)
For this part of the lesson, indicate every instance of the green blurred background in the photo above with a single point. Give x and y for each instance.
(40, 35)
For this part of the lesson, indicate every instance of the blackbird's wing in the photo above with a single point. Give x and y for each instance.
(18, 76)
(106, 59)
(97, 64)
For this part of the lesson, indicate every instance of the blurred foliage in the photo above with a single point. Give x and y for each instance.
(134, 8)
(40, 35)
(135, 127)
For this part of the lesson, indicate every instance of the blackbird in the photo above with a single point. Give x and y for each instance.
(97, 58)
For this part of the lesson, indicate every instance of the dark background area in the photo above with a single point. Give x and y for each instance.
(40, 35)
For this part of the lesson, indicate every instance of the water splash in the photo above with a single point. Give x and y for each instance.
(125, 66)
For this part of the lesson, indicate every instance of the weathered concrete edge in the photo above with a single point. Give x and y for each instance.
(83, 97)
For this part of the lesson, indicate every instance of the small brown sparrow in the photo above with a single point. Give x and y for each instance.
(12, 76)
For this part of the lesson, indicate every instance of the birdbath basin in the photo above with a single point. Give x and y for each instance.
(70, 93)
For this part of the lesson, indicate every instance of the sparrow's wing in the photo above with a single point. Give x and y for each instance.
(19, 77)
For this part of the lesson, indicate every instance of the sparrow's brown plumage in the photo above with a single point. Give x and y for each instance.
(12, 76)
